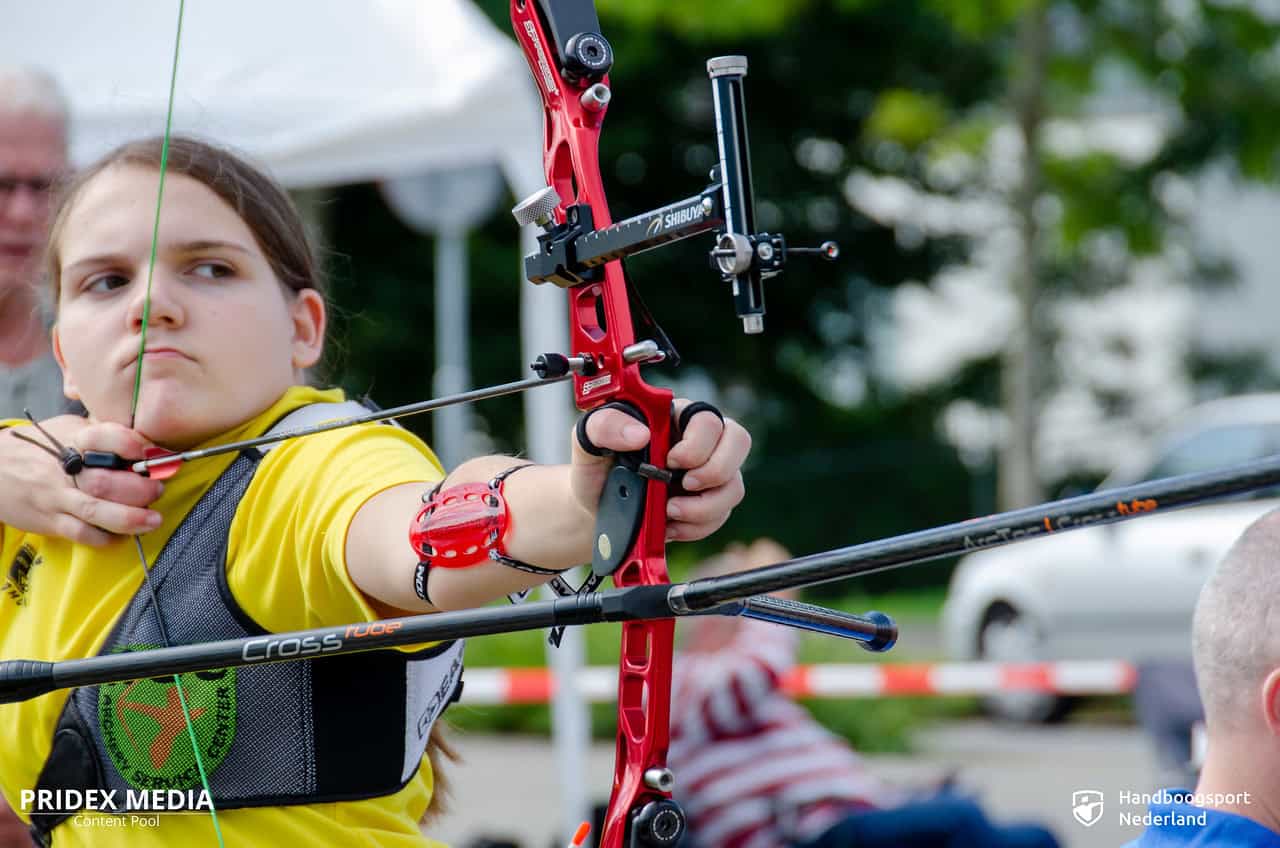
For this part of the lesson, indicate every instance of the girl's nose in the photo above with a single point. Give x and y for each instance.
(157, 301)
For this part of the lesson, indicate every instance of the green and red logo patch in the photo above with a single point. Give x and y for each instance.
(146, 734)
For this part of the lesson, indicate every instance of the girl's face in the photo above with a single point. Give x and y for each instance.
(225, 338)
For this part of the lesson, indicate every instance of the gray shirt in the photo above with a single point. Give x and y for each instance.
(36, 386)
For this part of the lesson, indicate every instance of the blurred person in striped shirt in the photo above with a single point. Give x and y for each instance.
(755, 770)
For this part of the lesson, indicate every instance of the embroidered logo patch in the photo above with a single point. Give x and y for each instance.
(146, 733)
(18, 580)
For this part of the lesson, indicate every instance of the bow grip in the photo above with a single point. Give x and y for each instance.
(620, 512)
(622, 500)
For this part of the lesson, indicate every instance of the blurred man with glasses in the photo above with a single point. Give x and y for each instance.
(33, 153)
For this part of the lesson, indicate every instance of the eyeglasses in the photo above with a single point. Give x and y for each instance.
(38, 186)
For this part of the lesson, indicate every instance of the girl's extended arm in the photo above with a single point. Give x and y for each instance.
(552, 511)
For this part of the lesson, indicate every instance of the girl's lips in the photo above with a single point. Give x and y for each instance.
(154, 353)
(165, 353)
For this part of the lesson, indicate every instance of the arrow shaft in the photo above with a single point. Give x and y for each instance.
(379, 415)
(980, 533)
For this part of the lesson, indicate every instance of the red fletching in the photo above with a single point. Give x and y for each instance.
(459, 526)
(164, 470)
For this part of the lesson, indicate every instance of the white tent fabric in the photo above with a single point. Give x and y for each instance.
(322, 92)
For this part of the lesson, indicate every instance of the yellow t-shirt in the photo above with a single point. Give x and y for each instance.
(286, 569)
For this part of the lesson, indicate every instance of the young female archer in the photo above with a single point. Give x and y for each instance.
(312, 533)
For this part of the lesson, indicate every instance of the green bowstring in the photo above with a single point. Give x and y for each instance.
(155, 230)
(133, 414)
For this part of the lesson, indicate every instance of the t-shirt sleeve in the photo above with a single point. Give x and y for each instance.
(286, 553)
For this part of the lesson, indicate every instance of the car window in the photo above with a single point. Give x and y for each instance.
(1217, 448)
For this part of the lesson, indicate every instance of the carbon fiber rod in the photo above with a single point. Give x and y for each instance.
(976, 534)
(23, 679)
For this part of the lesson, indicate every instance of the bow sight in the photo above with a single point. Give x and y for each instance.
(571, 251)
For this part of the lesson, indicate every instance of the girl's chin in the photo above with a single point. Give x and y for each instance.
(174, 438)
(173, 416)
(169, 427)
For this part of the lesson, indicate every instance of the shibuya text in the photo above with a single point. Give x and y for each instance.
(114, 800)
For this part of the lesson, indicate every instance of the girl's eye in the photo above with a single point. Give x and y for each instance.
(211, 270)
(106, 282)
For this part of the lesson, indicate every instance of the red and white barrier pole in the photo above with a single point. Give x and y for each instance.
(1073, 677)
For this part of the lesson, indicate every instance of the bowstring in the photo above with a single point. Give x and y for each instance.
(155, 229)
(133, 415)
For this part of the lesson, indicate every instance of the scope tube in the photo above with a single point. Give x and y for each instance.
(727, 73)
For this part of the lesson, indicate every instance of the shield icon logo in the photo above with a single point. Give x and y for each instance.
(1086, 806)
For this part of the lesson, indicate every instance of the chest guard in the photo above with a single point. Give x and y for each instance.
(303, 732)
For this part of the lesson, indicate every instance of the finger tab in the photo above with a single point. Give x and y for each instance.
(105, 459)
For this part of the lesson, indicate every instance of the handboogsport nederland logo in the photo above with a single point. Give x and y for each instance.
(145, 731)
(1086, 806)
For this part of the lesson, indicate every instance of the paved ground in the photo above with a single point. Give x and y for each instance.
(507, 786)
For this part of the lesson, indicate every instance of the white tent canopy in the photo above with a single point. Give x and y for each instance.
(325, 92)
(322, 92)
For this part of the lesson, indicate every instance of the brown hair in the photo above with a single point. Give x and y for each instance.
(439, 750)
(259, 201)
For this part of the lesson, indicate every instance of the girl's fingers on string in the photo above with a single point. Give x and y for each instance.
(109, 516)
(122, 487)
(112, 438)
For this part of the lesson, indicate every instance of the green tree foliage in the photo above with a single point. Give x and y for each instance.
(1195, 84)
(833, 464)
(836, 87)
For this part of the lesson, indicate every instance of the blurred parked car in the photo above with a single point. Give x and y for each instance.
(1119, 591)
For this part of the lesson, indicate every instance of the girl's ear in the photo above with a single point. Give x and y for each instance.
(309, 319)
(1271, 702)
(68, 385)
